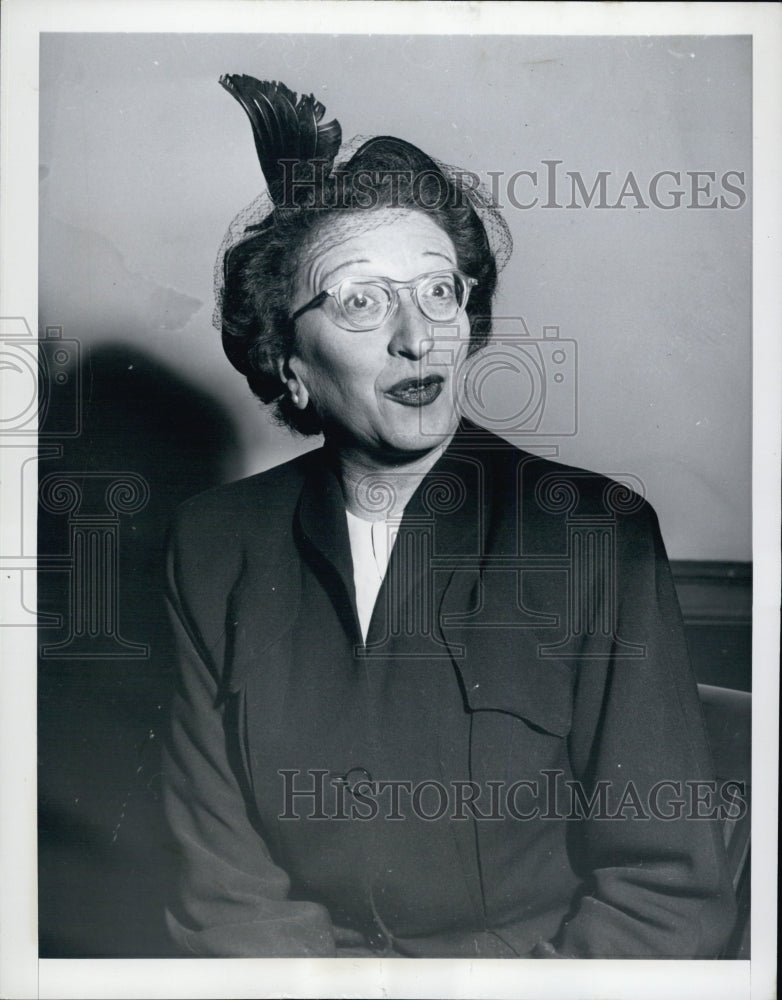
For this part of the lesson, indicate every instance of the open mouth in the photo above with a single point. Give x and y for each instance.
(416, 391)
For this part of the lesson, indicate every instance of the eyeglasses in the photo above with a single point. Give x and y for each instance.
(366, 303)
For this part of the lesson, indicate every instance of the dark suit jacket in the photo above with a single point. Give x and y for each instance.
(515, 762)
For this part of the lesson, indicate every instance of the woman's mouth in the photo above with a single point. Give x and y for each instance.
(416, 391)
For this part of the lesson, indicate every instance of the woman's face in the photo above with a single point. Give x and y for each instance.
(389, 393)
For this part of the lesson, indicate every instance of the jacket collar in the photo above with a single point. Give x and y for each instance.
(457, 486)
(320, 517)
(450, 506)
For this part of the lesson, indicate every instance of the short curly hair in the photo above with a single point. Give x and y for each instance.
(260, 271)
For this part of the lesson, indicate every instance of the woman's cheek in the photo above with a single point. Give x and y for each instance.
(337, 396)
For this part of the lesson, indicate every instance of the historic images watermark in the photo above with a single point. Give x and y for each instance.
(319, 794)
(549, 185)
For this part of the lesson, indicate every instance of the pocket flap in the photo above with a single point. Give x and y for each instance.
(502, 671)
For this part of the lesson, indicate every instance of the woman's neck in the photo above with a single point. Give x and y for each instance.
(376, 490)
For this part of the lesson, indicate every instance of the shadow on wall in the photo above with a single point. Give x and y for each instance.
(147, 442)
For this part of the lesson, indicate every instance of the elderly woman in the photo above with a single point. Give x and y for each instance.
(433, 692)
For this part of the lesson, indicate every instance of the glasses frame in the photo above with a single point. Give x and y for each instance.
(393, 287)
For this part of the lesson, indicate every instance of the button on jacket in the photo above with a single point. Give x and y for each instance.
(512, 764)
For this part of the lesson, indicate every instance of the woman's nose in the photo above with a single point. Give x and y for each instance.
(411, 332)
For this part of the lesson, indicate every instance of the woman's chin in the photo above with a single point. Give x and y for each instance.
(397, 432)
(418, 432)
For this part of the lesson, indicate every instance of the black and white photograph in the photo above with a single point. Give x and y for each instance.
(391, 463)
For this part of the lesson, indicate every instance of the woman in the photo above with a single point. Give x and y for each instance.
(433, 691)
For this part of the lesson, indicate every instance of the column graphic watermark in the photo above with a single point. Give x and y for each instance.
(92, 559)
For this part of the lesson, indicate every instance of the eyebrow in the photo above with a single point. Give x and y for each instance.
(364, 260)
(346, 263)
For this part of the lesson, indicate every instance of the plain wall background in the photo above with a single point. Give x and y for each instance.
(145, 160)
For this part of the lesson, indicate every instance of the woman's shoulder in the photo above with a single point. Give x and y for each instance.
(273, 494)
(551, 485)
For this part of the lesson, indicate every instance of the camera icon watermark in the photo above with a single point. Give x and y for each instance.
(39, 375)
(35, 368)
(40, 409)
(520, 386)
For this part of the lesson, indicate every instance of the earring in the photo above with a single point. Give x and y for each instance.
(298, 394)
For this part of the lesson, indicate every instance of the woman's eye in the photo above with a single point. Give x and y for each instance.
(362, 300)
(442, 290)
(362, 303)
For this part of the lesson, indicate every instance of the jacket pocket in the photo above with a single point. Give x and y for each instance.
(502, 670)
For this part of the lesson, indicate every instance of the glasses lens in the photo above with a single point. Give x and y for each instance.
(364, 304)
(441, 297)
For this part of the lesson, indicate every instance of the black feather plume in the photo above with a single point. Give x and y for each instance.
(285, 127)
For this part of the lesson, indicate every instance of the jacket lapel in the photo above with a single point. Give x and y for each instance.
(320, 518)
(494, 641)
(265, 602)
(442, 526)
(321, 531)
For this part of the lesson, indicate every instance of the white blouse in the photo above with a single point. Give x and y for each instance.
(371, 544)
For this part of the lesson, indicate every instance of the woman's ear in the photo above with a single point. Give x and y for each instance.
(296, 388)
